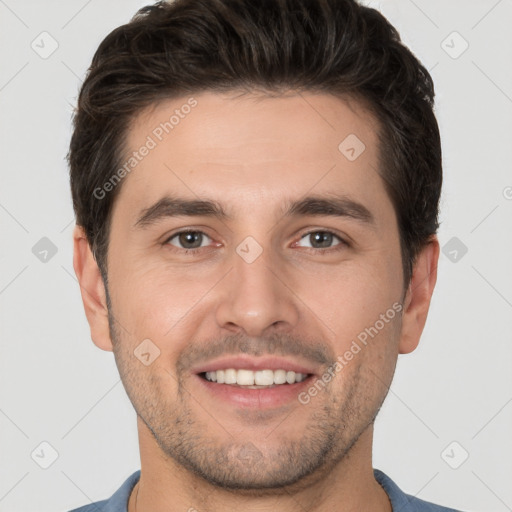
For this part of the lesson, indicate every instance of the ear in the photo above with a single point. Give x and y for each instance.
(417, 298)
(92, 289)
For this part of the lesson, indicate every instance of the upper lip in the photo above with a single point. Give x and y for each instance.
(254, 364)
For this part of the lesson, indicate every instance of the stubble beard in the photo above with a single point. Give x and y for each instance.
(271, 465)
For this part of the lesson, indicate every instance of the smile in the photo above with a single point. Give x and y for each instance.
(254, 379)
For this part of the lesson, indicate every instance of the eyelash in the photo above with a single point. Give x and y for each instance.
(343, 243)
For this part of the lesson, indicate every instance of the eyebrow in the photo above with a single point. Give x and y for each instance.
(330, 206)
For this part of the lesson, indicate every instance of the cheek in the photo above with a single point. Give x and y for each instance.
(365, 364)
(156, 302)
(352, 297)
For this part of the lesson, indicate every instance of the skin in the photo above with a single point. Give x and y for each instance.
(251, 154)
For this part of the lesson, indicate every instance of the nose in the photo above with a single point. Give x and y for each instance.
(256, 298)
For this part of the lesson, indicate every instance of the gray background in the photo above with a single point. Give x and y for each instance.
(450, 399)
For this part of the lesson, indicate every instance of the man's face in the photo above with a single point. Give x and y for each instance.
(261, 288)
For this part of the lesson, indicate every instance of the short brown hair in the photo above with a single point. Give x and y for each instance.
(189, 46)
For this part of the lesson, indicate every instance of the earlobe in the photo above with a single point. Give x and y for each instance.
(418, 296)
(92, 290)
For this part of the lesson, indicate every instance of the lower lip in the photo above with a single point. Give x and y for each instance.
(264, 398)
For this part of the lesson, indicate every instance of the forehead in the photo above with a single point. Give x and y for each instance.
(247, 148)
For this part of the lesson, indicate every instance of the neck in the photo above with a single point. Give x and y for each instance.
(348, 487)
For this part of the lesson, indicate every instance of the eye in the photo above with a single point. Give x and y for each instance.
(321, 240)
(191, 240)
(188, 240)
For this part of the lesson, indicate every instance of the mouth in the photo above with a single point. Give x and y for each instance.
(250, 383)
(249, 379)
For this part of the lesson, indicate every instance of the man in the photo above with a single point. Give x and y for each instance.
(256, 189)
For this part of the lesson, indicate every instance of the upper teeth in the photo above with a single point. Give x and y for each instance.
(258, 378)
